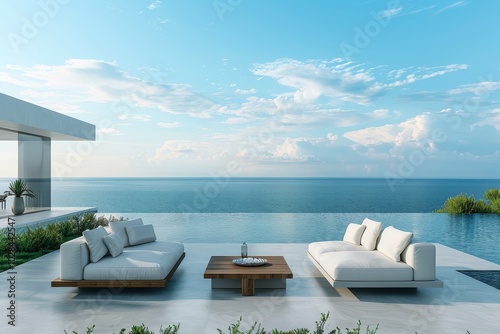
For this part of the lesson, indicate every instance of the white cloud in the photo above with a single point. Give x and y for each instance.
(292, 149)
(342, 79)
(154, 5)
(138, 117)
(332, 137)
(245, 91)
(174, 149)
(380, 113)
(312, 79)
(412, 130)
(99, 81)
(110, 131)
(166, 125)
(453, 5)
(392, 12)
(423, 73)
(481, 88)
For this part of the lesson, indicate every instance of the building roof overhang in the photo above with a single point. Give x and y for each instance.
(18, 116)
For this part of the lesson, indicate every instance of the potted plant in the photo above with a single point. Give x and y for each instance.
(19, 188)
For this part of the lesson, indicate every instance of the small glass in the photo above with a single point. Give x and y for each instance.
(244, 250)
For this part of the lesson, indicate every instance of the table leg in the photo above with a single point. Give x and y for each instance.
(248, 287)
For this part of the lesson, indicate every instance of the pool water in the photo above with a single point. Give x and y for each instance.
(476, 234)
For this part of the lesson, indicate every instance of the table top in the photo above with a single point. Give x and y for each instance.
(222, 267)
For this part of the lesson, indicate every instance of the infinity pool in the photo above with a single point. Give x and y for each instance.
(476, 234)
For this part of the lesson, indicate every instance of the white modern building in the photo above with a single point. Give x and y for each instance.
(34, 128)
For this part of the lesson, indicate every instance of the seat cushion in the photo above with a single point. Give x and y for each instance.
(320, 247)
(364, 267)
(151, 261)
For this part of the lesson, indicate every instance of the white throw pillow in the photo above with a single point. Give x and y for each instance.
(371, 233)
(393, 242)
(114, 244)
(119, 228)
(95, 243)
(140, 234)
(353, 233)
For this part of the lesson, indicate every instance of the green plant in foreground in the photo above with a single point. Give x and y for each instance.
(142, 329)
(255, 329)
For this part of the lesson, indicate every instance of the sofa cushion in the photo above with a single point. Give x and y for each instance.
(152, 261)
(95, 243)
(371, 233)
(114, 244)
(353, 233)
(320, 247)
(393, 242)
(364, 267)
(119, 227)
(140, 234)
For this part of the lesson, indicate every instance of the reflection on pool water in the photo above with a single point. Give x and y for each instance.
(476, 234)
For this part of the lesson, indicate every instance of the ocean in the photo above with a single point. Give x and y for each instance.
(262, 195)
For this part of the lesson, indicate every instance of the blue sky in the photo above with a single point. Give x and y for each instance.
(397, 89)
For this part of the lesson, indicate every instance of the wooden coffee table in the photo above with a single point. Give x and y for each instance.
(223, 268)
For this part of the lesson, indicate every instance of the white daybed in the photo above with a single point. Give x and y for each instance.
(129, 256)
(371, 258)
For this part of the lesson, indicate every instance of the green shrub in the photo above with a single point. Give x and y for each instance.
(38, 239)
(66, 228)
(464, 204)
(4, 242)
(89, 221)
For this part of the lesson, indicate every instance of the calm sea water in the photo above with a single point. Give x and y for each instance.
(272, 195)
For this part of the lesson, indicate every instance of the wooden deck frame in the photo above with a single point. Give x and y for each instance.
(59, 283)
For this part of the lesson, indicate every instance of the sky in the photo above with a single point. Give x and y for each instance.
(236, 88)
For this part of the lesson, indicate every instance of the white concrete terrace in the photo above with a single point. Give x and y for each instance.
(463, 304)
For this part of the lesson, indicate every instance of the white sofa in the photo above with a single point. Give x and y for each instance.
(129, 256)
(368, 257)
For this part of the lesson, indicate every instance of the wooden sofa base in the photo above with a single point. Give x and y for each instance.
(375, 284)
(59, 283)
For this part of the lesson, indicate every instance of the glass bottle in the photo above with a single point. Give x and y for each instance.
(244, 250)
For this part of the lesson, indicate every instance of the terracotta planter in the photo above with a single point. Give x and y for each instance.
(18, 205)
